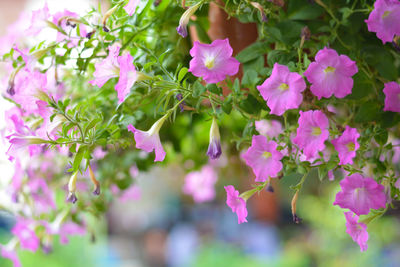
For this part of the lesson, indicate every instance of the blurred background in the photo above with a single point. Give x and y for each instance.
(159, 226)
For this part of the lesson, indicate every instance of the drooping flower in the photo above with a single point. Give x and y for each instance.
(214, 148)
(150, 140)
(236, 203)
(72, 188)
(331, 74)
(360, 194)
(184, 20)
(269, 128)
(38, 20)
(213, 62)
(27, 237)
(200, 184)
(385, 19)
(263, 158)
(312, 132)
(130, 8)
(346, 145)
(357, 230)
(10, 254)
(392, 96)
(282, 90)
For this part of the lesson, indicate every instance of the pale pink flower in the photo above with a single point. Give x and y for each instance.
(346, 145)
(236, 203)
(213, 62)
(385, 19)
(38, 20)
(27, 237)
(132, 193)
(63, 20)
(282, 90)
(357, 230)
(10, 254)
(331, 74)
(108, 68)
(392, 97)
(134, 171)
(360, 194)
(263, 158)
(269, 128)
(312, 132)
(200, 184)
(127, 76)
(70, 228)
(130, 8)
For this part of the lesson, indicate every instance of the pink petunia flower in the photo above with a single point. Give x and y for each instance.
(10, 254)
(357, 230)
(346, 145)
(213, 62)
(70, 228)
(392, 96)
(385, 19)
(26, 235)
(65, 20)
(236, 203)
(200, 184)
(38, 20)
(269, 128)
(150, 140)
(282, 90)
(108, 68)
(312, 132)
(360, 194)
(263, 158)
(127, 76)
(130, 8)
(331, 74)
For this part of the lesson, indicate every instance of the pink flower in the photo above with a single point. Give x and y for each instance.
(385, 19)
(331, 74)
(70, 228)
(392, 97)
(63, 20)
(346, 145)
(200, 184)
(38, 20)
(130, 8)
(360, 194)
(114, 66)
(312, 132)
(269, 128)
(11, 255)
(26, 235)
(282, 90)
(132, 193)
(263, 158)
(357, 231)
(236, 203)
(150, 140)
(213, 62)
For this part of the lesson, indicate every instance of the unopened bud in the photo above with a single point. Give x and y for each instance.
(11, 88)
(261, 9)
(306, 33)
(296, 219)
(106, 16)
(96, 183)
(90, 34)
(72, 188)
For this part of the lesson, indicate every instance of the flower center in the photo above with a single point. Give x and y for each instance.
(209, 63)
(329, 69)
(351, 146)
(267, 154)
(385, 14)
(283, 87)
(316, 131)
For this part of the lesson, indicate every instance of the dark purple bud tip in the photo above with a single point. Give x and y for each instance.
(157, 3)
(72, 198)
(296, 219)
(182, 31)
(105, 29)
(89, 34)
(96, 191)
(214, 150)
(264, 17)
(47, 249)
(11, 89)
(181, 105)
(269, 188)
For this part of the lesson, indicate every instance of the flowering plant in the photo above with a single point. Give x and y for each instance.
(317, 93)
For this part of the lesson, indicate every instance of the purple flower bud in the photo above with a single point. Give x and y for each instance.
(182, 104)
(105, 29)
(214, 148)
(96, 191)
(11, 89)
(269, 188)
(72, 197)
(296, 219)
(183, 22)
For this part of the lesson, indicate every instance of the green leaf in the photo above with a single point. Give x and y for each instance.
(303, 10)
(198, 89)
(251, 105)
(368, 112)
(381, 136)
(227, 105)
(78, 157)
(213, 88)
(251, 52)
(322, 171)
(250, 79)
(182, 74)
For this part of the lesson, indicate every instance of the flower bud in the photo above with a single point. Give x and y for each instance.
(96, 183)
(72, 188)
(214, 148)
(260, 8)
(296, 219)
(183, 22)
(106, 16)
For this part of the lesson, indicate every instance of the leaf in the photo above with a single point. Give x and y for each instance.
(198, 89)
(213, 88)
(368, 112)
(227, 105)
(251, 52)
(78, 158)
(250, 79)
(303, 10)
(322, 171)
(182, 73)
(381, 136)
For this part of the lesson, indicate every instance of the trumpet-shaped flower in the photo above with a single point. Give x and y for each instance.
(214, 148)
(392, 97)
(282, 90)
(269, 128)
(357, 230)
(236, 203)
(130, 8)
(331, 74)
(38, 20)
(385, 19)
(108, 68)
(200, 184)
(263, 158)
(360, 194)
(10, 254)
(26, 235)
(213, 62)
(150, 140)
(127, 76)
(312, 132)
(346, 145)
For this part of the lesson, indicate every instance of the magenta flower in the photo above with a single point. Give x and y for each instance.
(214, 148)
(360, 194)
(331, 74)
(66, 20)
(385, 19)
(130, 8)
(127, 76)
(213, 62)
(236, 203)
(282, 90)
(263, 158)
(392, 97)
(108, 68)
(11, 255)
(26, 235)
(38, 20)
(131, 193)
(269, 128)
(150, 140)
(357, 230)
(312, 132)
(346, 145)
(68, 229)
(200, 184)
